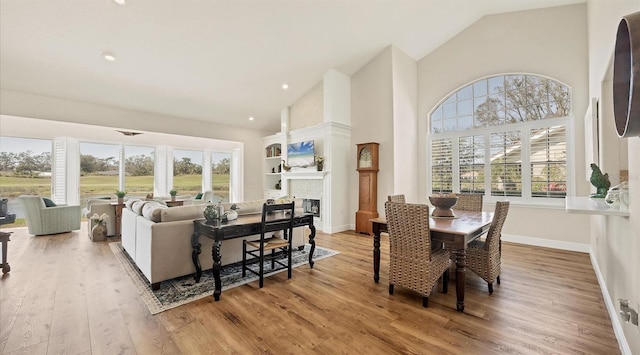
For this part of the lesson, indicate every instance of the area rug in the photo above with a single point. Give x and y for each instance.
(181, 290)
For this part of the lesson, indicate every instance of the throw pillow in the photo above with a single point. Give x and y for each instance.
(48, 202)
(199, 196)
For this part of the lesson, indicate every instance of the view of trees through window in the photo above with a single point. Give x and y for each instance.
(99, 170)
(492, 123)
(138, 169)
(220, 174)
(187, 171)
(25, 169)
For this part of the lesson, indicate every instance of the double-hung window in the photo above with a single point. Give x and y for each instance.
(503, 136)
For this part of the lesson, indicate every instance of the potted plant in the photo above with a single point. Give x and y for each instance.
(173, 194)
(120, 195)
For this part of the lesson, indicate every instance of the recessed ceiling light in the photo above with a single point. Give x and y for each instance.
(251, 118)
(285, 86)
(120, 2)
(109, 57)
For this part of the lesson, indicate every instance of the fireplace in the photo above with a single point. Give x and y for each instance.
(311, 206)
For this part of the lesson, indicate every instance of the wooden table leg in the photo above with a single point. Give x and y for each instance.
(195, 245)
(217, 265)
(4, 238)
(312, 241)
(376, 256)
(461, 259)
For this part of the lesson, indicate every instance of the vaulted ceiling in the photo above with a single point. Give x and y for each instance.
(217, 61)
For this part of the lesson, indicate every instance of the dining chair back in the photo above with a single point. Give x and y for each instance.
(396, 198)
(484, 256)
(275, 218)
(413, 264)
(469, 202)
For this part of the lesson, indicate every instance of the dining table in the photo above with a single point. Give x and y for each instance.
(455, 233)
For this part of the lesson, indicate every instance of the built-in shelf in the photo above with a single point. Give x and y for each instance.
(586, 205)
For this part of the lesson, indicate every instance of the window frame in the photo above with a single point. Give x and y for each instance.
(524, 128)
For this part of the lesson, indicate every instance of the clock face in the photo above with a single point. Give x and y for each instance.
(365, 158)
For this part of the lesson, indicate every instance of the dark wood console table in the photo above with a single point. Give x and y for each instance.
(243, 226)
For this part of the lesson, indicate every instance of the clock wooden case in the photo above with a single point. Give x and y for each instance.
(367, 167)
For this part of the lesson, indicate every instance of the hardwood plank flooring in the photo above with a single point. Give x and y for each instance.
(68, 295)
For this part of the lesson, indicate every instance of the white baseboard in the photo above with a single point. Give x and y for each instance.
(547, 243)
(611, 309)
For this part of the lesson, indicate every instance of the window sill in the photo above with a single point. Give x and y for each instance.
(556, 204)
(586, 205)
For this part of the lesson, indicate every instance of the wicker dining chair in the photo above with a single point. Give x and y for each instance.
(469, 202)
(396, 198)
(483, 256)
(413, 264)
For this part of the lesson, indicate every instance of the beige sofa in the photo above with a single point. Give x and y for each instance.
(158, 238)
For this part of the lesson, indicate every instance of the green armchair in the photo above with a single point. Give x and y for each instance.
(42, 220)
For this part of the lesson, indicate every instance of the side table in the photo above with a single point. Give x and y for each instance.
(119, 207)
(174, 203)
(4, 239)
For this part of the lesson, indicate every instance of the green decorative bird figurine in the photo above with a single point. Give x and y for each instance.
(600, 181)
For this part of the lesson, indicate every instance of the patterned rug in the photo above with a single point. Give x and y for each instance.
(181, 290)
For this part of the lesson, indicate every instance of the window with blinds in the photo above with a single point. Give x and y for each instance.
(504, 136)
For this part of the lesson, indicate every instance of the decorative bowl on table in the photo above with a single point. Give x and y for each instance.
(443, 204)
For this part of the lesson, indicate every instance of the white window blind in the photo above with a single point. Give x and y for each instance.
(506, 164)
(66, 171)
(441, 165)
(471, 164)
(163, 171)
(58, 170)
(548, 157)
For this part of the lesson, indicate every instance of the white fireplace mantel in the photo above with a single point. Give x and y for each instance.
(303, 175)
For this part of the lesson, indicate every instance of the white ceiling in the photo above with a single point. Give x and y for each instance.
(217, 61)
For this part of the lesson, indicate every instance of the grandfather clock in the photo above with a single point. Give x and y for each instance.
(367, 166)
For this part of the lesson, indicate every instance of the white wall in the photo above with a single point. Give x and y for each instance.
(307, 111)
(42, 107)
(371, 118)
(405, 124)
(550, 42)
(615, 241)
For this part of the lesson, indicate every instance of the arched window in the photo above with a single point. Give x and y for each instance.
(503, 135)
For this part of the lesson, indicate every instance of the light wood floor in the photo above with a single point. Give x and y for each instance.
(68, 295)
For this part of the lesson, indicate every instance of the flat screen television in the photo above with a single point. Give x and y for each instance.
(300, 154)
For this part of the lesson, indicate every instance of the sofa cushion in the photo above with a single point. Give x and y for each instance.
(152, 211)
(48, 202)
(130, 201)
(247, 207)
(181, 213)
(136, 207)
